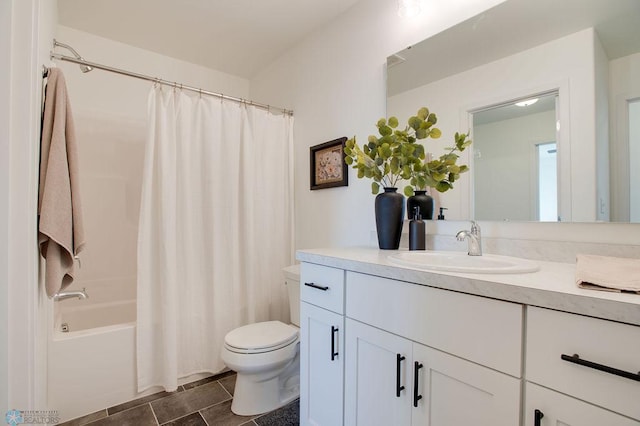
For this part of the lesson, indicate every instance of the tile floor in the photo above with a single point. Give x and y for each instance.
(206, 402)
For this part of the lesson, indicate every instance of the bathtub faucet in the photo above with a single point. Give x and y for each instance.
(70, 294)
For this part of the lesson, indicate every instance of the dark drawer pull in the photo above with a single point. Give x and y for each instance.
(577, 360)
(537, 417)
(416, 375)
(399, 388)
(334, 331)
(319, 287)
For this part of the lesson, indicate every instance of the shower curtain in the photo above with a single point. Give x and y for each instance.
(216, 227)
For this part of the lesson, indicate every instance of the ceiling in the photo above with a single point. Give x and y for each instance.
(511, 110)
(239, 37)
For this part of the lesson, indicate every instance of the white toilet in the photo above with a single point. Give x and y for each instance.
(266, 358)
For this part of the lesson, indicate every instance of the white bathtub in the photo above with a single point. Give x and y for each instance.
(93, 366)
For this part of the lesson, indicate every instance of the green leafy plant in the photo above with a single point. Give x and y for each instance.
(440, 173)
(397, 155)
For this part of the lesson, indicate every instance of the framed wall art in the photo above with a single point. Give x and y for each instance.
(328, 168)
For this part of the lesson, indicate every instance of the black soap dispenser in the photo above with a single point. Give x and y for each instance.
(417, 231)
(441, 215)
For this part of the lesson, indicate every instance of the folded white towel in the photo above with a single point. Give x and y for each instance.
(608, 273)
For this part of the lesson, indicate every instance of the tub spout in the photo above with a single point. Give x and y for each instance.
(69, 295)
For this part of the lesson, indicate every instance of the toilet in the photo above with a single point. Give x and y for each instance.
(266, 358)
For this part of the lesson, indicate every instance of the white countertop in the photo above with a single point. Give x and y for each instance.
(553, 286)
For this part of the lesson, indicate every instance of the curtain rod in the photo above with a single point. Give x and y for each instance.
(60, 57)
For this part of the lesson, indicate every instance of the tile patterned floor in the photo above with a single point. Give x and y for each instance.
(206, 402)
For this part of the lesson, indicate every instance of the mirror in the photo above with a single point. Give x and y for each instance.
(586, 53)
(515, 158)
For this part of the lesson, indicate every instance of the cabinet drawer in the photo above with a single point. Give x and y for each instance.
(485, 331)
(559, 409)
(551, 334)
(322, 286)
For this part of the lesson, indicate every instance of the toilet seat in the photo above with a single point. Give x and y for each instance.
(260, 337)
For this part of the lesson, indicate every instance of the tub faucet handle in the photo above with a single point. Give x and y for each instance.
(62, 295)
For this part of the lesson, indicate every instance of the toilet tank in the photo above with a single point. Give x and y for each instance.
(292, 280)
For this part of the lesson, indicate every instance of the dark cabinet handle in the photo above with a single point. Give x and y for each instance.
(399, 388)
(334, 331)
(575, 359)
(537, 417)
(319, 287)
(416, 375)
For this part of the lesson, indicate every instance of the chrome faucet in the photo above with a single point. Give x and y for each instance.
(474, 237)
(69, 295)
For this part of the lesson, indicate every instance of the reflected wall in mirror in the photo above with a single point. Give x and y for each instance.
(586, 51)
(634, 159)
(515, 159)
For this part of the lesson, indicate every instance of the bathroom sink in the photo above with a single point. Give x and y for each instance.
(451, 261)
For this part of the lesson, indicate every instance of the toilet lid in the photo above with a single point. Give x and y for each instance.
(261, 335)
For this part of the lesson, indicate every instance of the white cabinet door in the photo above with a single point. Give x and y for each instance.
(377, 377)
(452, 392)
(321, 366)
(544, 407)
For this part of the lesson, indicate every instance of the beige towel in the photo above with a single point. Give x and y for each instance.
(60, 230)
(608, 273)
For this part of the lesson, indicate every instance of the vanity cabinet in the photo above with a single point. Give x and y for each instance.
(378, 385)
(397, 370)
(411, 354)
(391, 380)
(321, 345)
(581, 362)
(546, 407)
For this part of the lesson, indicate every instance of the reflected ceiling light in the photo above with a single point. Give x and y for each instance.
(408, 8)
(527, 103)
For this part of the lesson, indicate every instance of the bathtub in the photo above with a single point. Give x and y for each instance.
(93, 366)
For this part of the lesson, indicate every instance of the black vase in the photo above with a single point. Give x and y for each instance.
(424, 201)
(389, 218)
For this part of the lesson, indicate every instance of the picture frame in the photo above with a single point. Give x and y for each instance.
(327, 165)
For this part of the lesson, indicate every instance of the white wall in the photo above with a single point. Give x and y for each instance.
(101, 93)
(634, 158)
(5, 246)
(505, 172)
(334, 81)
(110, 114)
(25, 24)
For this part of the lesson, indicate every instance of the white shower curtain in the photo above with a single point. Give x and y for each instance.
(216, 227)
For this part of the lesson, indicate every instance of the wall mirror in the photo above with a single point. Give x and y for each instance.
(515, 158)
(581, 59)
